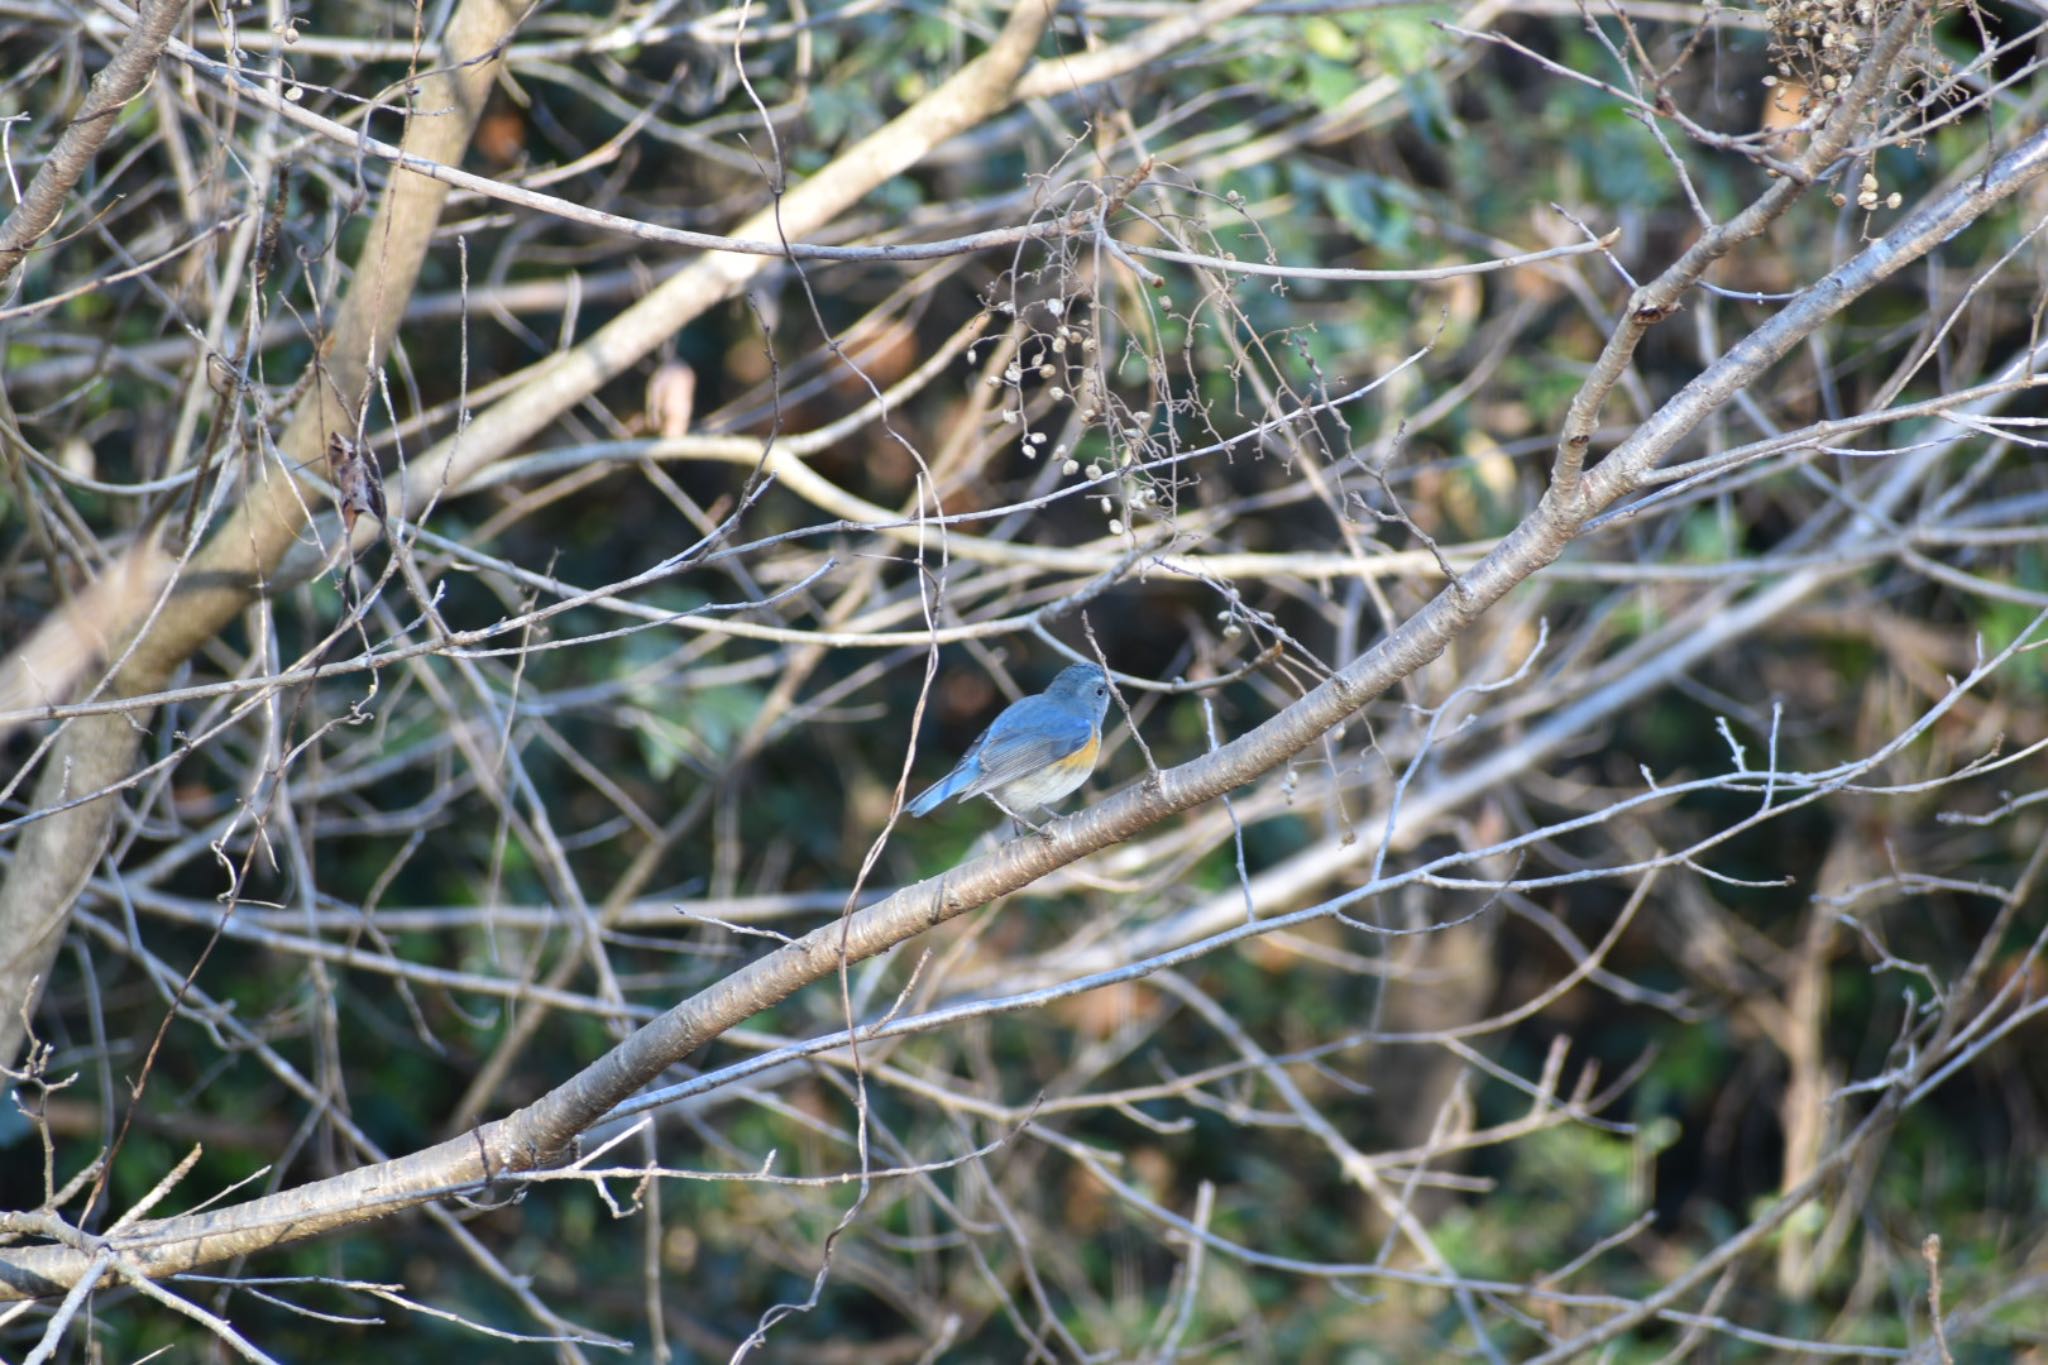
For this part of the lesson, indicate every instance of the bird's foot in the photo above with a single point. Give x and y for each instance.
(1043, 831)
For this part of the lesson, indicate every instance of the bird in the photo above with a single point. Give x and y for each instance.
(1038, 750)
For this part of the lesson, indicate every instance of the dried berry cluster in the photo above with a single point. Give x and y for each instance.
(1819, 42)
(1062, 350)
(1816, 49)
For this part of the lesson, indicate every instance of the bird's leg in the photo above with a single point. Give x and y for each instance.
(1042, 831)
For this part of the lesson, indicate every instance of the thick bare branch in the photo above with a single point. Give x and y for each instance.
(119, 81)
(244, 552)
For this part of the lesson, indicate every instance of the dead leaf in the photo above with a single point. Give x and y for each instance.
(358, 482)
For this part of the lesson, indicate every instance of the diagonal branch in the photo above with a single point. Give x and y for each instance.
(120, 81)
(1663, 296)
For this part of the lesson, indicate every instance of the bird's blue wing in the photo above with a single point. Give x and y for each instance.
(1024, 739)
(940, 791)
(959, 782)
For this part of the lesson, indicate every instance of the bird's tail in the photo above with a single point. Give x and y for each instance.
(930, 798)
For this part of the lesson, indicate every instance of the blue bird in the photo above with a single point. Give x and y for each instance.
(1037, 751)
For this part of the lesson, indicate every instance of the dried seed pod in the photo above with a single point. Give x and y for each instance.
(358, 482)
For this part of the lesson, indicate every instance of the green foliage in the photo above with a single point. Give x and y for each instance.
(1356, 201)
